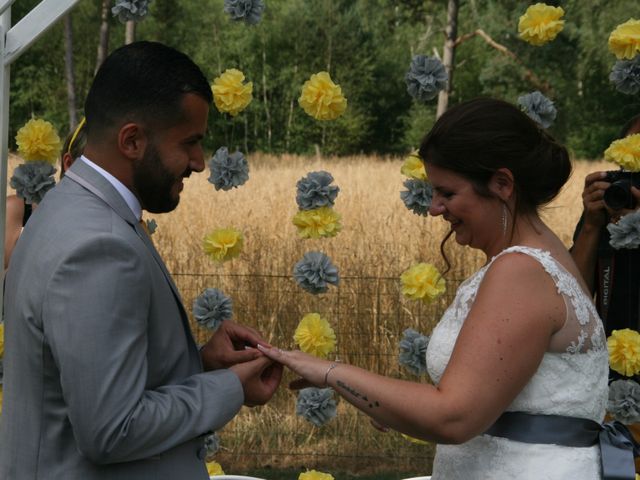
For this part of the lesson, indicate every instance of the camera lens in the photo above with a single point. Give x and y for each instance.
(618, 195)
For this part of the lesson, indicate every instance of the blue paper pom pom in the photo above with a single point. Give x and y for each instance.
(152, 226)
(625, 233)
(315, 191)
(228, 171)
(211, 308)
(413, 351)
(32, 180)
(425, 78)
(212, 444)
(134, 10)
(248, 10)
(625, 75)
(316, 405)
(315, 272)
(539, 108)
(418, 196)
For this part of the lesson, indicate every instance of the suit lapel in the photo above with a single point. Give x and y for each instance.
(95, 183)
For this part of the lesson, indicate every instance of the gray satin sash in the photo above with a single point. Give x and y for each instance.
(617, 446)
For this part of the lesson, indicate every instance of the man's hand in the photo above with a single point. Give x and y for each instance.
(260, 379)
(595, 211)
(229, 345)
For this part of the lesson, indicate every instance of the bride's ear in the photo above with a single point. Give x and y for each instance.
(502, 184)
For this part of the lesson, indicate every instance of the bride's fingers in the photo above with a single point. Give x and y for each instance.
(273, 353)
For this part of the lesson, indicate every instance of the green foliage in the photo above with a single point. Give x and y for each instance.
(366, 46)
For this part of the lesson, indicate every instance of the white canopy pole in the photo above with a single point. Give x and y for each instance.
(5, 4)
(13, 43)
(5, 24)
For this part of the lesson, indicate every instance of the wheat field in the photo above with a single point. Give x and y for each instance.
(380, 239)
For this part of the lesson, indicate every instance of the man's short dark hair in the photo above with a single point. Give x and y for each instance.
(143, 82)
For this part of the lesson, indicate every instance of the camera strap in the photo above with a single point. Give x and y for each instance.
(606, 267)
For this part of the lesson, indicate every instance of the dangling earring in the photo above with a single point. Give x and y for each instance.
(504, 220)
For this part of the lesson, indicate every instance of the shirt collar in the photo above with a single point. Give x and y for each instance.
(124, 192)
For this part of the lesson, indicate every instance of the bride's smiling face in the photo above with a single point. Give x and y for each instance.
(473, 218)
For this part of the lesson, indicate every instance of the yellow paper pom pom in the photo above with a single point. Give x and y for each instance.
(214, 468)
(423, 282)
(624, 352)
(320, 222)
(624, 41)
(314, 475)
(417, 441)
(38, 141)
(625, 152)
(223, 244)
(321, 98)
(413, 167)
(229, 93)
(315, 336)
(540, 24)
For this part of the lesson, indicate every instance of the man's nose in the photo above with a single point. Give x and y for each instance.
(197, 161)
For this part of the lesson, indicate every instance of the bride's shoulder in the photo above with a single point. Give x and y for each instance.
(523, 271)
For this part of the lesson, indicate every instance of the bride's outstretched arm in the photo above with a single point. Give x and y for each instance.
(515, 313)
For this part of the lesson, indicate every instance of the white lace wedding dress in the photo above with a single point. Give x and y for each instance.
(570, 382)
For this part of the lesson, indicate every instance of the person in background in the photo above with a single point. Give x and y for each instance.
(102, 376)
(613, 275)
(19, 211)
(519, 360)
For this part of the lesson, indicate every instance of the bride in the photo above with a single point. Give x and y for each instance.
(519, 360)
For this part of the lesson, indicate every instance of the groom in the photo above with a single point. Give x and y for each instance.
(102, 377)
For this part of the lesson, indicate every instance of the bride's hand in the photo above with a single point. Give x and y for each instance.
(311, 369)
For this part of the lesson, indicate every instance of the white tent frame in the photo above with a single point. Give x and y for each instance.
(14, 41)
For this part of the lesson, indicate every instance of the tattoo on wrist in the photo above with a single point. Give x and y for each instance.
(358, 395)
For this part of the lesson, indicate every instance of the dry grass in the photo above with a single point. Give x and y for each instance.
(380, 239)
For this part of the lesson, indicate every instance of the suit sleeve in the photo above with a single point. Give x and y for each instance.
(95, 319)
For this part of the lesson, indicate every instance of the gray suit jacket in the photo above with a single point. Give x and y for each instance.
(102, 378)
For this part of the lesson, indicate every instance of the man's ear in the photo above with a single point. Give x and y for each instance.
(502, 183)
(67, 161)
(132, 141)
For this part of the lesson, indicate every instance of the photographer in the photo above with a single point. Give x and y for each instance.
(612, 275)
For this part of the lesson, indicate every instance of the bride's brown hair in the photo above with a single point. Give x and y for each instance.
(476, 138)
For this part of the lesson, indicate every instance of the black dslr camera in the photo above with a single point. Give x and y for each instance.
(619, 195)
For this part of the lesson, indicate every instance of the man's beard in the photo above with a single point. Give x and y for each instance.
(154, 183)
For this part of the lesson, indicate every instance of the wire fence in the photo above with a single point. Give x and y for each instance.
(369, 316)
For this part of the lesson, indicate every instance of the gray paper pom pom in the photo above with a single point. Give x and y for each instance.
(425, 78)
(315, 191)
(625, 233)
(211, 308)
(212, 444)
(228, 171)
(624, 401)
(248, 10)
(625, 75)
(32, 180)
(418, 196)
(413, 351)
(315, 272)
(539, 108)
(152, 226)
(316, 405)
(134, 10)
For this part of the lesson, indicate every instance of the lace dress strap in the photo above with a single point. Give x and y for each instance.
(579, 305)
